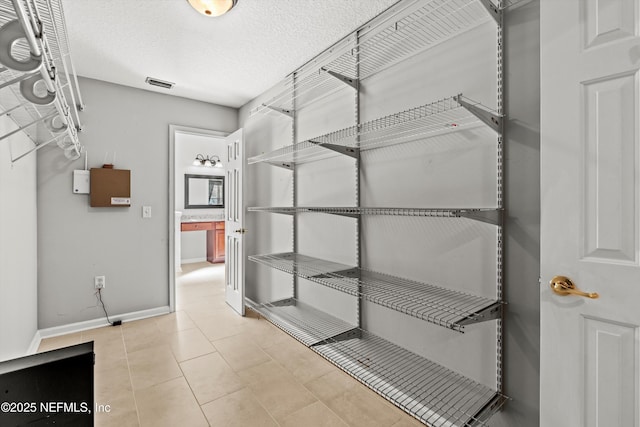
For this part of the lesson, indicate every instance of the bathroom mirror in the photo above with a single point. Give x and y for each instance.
(203, 191)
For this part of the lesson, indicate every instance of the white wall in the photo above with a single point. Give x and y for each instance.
(440, 172)
(77, 242)
(18, 245)
(194, 243)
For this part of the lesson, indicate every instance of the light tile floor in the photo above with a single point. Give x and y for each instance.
(206, 366)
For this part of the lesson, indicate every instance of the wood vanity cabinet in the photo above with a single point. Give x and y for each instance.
(215, 238)
(215, 243)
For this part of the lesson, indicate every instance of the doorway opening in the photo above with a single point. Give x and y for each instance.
(196, 234)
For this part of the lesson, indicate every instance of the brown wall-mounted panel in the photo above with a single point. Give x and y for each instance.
(110, 187)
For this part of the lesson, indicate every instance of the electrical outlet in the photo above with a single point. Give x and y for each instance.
(99, 282)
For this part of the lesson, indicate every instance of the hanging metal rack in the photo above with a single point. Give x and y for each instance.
(37, 78)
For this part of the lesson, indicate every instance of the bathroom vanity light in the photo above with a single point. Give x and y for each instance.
(213, 7)
(208, 162)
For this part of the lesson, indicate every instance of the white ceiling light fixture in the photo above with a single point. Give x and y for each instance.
(213, 7)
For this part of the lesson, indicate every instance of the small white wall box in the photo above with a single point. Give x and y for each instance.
(81, 182)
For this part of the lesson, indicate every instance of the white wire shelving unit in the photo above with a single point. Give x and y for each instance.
(432, 393)
(38, 87)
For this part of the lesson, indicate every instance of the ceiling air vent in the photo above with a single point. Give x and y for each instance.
(159, 83)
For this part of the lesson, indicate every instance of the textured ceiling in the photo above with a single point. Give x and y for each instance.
(227, 60)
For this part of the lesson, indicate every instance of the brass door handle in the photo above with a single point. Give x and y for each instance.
(562, 285)
(241, 231)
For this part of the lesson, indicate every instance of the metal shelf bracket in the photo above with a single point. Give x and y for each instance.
(492, 312)
(491, 217)
(285, 111)
(354, 333)
(285, 165)
(494, 121)
(493, 10)
(489, 409)
(354, 83)
(350, 273)
(347, 214)
(347, 151)
(283, 302)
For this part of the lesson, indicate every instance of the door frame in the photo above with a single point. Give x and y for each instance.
(173, 130)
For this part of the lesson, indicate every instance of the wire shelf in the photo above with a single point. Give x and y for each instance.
(430, 392)
(404, 34)
(22, 112)
(425, 26)
(491, 215)
(316, 81)
(41, 123)
(303, 322)
(445, 115)
(440, 306)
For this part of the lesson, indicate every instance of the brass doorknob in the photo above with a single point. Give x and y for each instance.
(562, 285)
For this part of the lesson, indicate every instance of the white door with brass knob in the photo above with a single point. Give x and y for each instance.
(590, 217)
(234, 222)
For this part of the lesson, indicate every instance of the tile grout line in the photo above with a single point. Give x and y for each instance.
(133, 391)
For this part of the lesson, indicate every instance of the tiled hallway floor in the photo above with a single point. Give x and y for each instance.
(206, 366)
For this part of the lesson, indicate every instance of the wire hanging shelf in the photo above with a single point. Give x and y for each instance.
(437, 396)
(320, 78)
(44, 114)
(303, 322)
(420, 26)
(428, 391)
(488, 215)
(442, 116)
(440, 306)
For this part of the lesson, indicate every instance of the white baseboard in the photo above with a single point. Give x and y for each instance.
(35, 343)
(100, 322)
(193, 260)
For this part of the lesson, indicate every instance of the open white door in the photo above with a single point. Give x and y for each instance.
(590, 360)
(234, 223)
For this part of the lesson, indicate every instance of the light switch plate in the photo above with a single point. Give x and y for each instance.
(146, 212)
